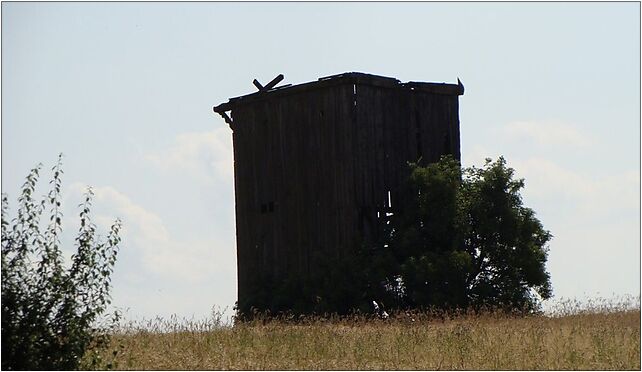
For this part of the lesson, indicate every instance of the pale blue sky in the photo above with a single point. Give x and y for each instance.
(125, 91)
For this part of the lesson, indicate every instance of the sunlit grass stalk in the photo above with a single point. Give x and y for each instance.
(588, 337)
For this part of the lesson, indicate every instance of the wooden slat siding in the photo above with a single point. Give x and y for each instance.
(428, 132)
(356, 165)
(342, 102)
(255, 217)
(455, 127)
(309, 193)
(443, 124)
(300, 182)
(396, 151)
(344, 135)
(344, 158)
(374, 161)
(322, 238)
(271, 180)
(410, 106)
(295, 129)
(285, 243)
(360, 146)
(330, 176)
(238, 146)
(281, 259)
(382, 150)
(356, 144)
(338, 168)
(261, 184)
(328, 172)
(366, 125)
(407, 142)
(287, 211)
(351, 207)
(313, 153)
(398, 126)
(274, 124)
(315, 176)
(334, 168)
(295, 181)
(248, 190)
(245, 208)
(299, 137)
(375, 156)
(394, 126)
(426, 116)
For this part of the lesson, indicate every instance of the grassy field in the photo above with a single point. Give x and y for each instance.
(583, 340)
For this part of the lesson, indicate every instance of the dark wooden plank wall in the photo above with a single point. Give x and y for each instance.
(293, 152)
(396, 126)
(326, 159)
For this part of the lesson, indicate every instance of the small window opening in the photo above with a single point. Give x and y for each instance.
(389, 199)
(267, 207)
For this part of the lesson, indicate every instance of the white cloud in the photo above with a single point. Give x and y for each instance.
(548, 132)
(160, 253)
(159, 272)
(592, 193)
(205, 155)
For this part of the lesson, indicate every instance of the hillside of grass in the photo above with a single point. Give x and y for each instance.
(602, 340)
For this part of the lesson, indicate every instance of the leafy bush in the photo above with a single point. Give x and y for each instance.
(467, 240)
(50, 312)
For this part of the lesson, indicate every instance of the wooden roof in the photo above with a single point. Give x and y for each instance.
(345, 78)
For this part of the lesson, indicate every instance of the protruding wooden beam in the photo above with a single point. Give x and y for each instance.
(274, 82)
(222, 107)
(461, 87)
(219, 110)
(227, 119)
(269, 85)
(258, 85)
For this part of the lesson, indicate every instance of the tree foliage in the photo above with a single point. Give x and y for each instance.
(461, 239)
(50, 311)
(467, 240)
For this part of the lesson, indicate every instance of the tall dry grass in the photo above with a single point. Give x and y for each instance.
(587, 338)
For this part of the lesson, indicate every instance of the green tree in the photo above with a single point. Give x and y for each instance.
(465, 239)
(51, 313)
(506, 242)
(461, 238)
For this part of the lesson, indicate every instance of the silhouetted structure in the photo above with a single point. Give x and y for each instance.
(317, 165)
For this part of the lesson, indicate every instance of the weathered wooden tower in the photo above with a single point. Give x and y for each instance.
(317, 165)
